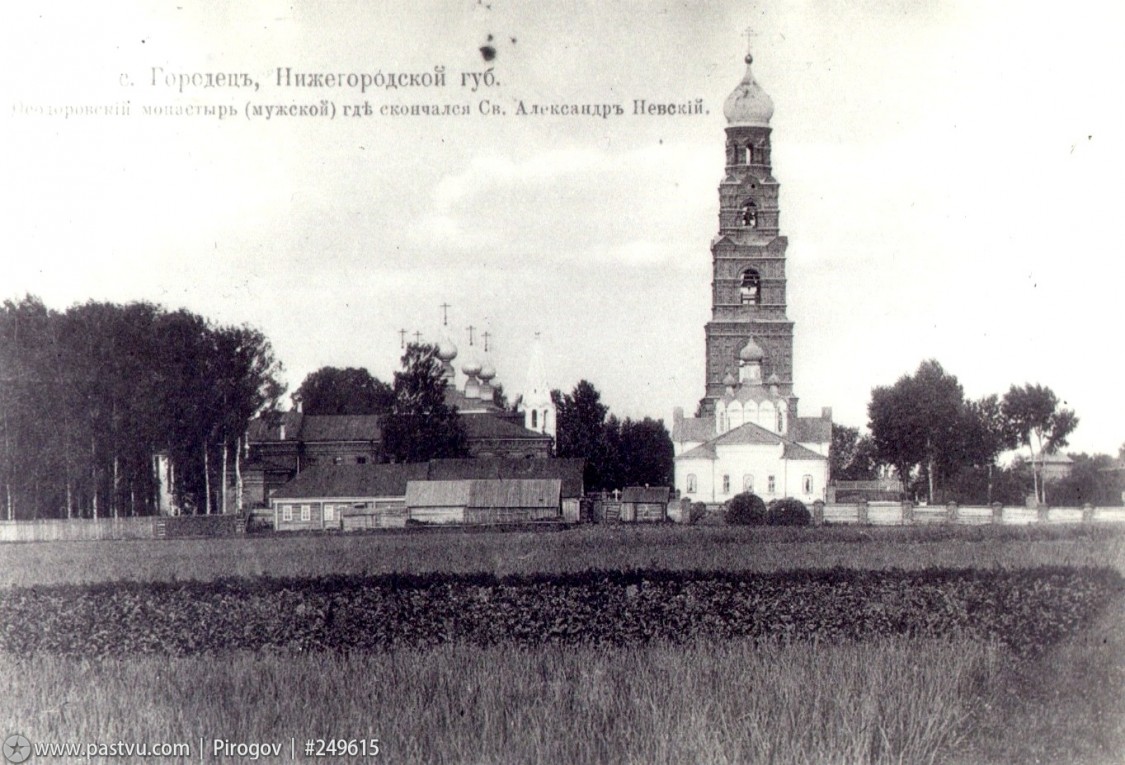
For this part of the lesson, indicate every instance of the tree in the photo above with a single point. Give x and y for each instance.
(331, 390)
(421, 426)
(1040, 424)
(915, 422)
(1089, 481)
(580, 432)
(642, 452)
(983, 434)
(852, 457)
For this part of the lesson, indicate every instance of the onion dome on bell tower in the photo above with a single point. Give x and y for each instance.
(748, 105)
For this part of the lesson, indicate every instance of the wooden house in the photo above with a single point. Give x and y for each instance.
(645, 504)
(484, 501)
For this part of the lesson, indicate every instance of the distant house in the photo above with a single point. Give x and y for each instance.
(330, 496)
(484, 501)
(282, 446)
(643, 503)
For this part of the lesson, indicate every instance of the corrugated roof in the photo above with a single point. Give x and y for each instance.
(341, 427)
(811, 430)
(646, 494)
(328, 481)
(484, 493)
(566, 469)
(693, 429)
(798, 452)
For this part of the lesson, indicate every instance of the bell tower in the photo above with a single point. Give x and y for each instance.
(748, 285)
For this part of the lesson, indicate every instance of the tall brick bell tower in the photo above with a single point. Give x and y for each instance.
(748, 255)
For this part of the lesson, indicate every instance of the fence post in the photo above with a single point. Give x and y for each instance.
(1087, 512)
(997, 512)
(818, 513)
(907, 513)
(862, 507)
(951, 512)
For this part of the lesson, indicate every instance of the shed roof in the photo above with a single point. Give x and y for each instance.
(646, 494)
(567, 469)
(484, 493)
(327, 481)
(480, 426)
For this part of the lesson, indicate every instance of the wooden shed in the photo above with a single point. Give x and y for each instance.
(484, 501)
(645, 504)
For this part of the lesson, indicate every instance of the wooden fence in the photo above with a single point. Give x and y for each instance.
(907, 514)
(146, 527)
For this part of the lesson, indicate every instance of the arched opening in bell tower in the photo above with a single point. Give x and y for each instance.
(749, 214)
(750, 288)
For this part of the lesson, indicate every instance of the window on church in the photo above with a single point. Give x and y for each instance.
(748, 482)
(771, 485)
(691, 486)
(534, 418)
(780, 421)
(807, 484)
(726, 484)
(750, 287)
(749, 214)
(749, 156)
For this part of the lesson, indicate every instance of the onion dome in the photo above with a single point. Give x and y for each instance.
(471, 368)
(446, 351)
(748, 104)
(730, 380)
(751, 352)
(486, 372)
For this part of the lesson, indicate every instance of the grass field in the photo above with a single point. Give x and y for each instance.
(881, 700)
(605, 547)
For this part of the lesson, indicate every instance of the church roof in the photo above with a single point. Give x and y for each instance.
(811, 430)
(268, 427)
(749, 433)
(756, 393)
(693, 429)
(701, 452)
(798, 452)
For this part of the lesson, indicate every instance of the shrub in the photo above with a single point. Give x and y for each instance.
(746, 509)
(697, 512)
(788, 512)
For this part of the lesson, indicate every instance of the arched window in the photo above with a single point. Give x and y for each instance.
(748, 482)
(691, 487)
(726, 484)
(750, 287)
(771, 485)
(749, 213)
(807, 484)
(534, 418)
(749, 154)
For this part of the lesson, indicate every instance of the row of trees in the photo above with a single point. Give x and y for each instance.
(618, 453)
(945, 446)
(89, 397)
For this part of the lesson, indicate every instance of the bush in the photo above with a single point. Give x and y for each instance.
(788, 512)
(746, 509)
(697, 512)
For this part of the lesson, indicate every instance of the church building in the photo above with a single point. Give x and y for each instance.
(748, 435)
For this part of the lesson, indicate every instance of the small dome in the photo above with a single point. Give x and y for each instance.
(774, 379)
(730, 380)
(751, 352)
(487, 372)
(471, 368)
(748, 104)
(446, 351)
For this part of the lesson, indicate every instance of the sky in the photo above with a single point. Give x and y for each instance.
(948, 176)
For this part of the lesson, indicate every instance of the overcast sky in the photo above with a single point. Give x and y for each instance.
(949, 186)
